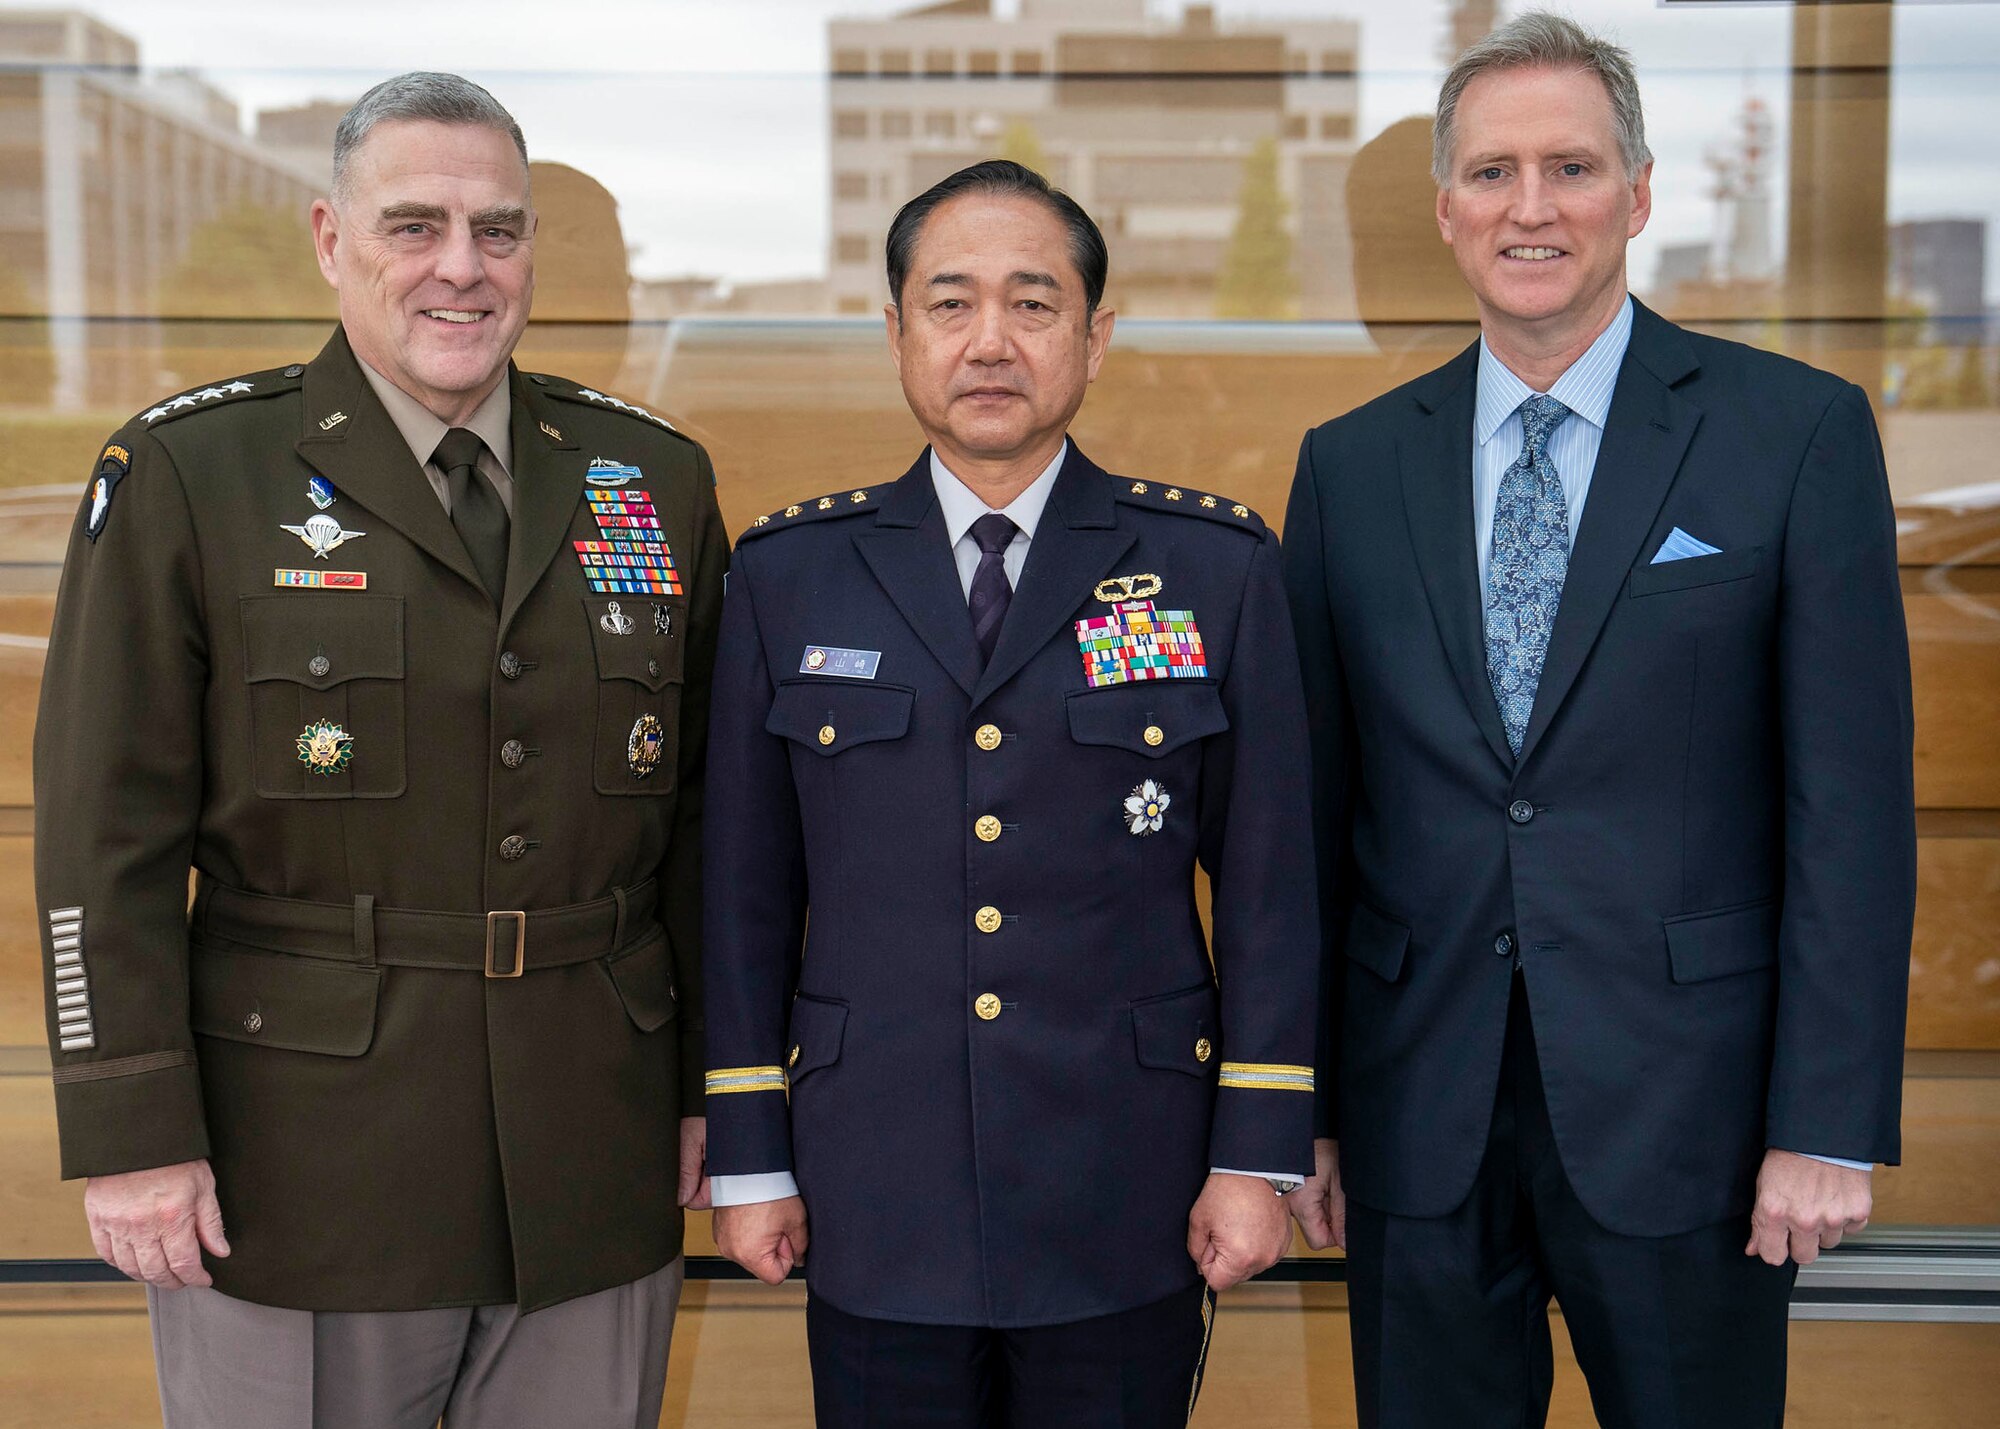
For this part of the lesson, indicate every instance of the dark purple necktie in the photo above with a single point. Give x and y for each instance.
(990, 591)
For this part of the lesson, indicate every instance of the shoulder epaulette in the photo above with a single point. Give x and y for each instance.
(569, 392)
(1154, 496)
(820, 508)
(221, 394)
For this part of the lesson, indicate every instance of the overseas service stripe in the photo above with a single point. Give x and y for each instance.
(1266, 1076)
(745, 1079)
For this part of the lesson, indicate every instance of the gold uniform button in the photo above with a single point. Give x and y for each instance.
(793, 1059)
(987, 736)
(1154, 734)
(988, 1006)
(988, 828)
(1202, 1050)
(987, 920)
(826, 734)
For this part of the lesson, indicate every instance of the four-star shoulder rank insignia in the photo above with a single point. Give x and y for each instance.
(191, 399)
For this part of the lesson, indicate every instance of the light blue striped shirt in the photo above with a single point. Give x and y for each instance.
(1496, 428)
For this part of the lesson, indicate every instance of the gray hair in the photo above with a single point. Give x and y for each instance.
(422, 95)
(1541, 40)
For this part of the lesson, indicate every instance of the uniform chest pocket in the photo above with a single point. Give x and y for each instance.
(641, 644)
(1149, 717)
(325, 676)
(830, 716)
(1693, 571)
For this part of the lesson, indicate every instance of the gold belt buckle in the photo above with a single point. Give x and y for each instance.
(520, 941)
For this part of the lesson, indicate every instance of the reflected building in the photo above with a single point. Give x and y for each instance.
(1174, 134)
(1937, 266)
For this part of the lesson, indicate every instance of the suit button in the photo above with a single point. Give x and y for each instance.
(1504, 945)
(987, 737)
(1520, 811)
(987, 919)
(988, 1007)
(512, 847)
(510, 664)
(988, 828)
(1154, 734)
(827, 734)
(511, 754)
(1203, 1050)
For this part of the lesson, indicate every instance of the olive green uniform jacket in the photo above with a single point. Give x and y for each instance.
(391, 1127)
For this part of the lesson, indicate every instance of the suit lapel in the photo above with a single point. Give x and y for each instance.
(368, 461)
(1075, 546)
(548, 483)
(1435, 454)
(909, 551)
(1645, 436)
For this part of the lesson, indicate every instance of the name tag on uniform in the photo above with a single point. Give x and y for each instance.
(831, 660)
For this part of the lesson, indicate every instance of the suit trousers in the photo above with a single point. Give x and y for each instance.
(596, 1362)
(1449, 1314)
(1135, 1369)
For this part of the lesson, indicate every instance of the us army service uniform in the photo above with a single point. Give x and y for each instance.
(435, 1014)
(1001, 1057)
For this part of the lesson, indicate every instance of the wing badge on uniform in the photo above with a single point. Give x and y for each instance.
(323, 534)
(325, 748)
(1137, 641)
(642, 749)
(1146, 808)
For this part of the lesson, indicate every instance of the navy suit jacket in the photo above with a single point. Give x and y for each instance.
(1031, 1159)
(1705, 853)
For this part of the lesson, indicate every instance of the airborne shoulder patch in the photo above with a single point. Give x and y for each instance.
(112, 466)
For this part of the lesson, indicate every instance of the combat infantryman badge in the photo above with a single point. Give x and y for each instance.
(642, 750)
(325, 748)
(322, 533)
(1146, 808)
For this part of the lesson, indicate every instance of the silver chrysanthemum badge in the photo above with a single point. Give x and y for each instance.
(1146, 808)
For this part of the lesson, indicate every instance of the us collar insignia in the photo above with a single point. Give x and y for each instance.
(323, 534)
(327, 424)
(1137, 642)
(606, 472)
(325, 748)
(1146, 808)
(111, 469)
(642, 748)
(319, 491)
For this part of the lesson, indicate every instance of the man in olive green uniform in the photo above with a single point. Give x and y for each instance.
(407, 654)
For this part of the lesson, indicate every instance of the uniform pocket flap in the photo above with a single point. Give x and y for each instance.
(1694, 571)
(1150, 717)
(638, 638)
(818, 1028)
(644, 978)
(1377, 942)
(1180, 1032)
(1741, 939)
(274, 1000)
(320, 641)
(827, 717)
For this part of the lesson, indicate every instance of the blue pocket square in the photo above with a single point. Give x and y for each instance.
(1679, 546)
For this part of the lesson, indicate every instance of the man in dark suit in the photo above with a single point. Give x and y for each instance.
(982, 723)
(1604, 649)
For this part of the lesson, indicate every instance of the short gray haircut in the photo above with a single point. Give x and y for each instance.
(1541, 40)
(422, 95)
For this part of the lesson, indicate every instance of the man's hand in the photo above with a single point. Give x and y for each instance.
(694, 1163)
(1320, 1206)
(1237, 1228)
(154, 1225)
(1805, 1206)
(767, 1239)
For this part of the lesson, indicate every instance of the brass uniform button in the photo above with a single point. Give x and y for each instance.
(826, 734)
(512, 753)
(319, 666)
(988, 1006)
(653, 668)
(988, 828)
(512, 847)
(510, 664)
(1154, 734)
(793, 1059)
(987, 919)
(1202, 1049)
(987, 736)
(254, 1022)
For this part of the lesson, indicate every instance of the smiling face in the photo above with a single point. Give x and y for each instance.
(991, 337)
(431, 247)
(1538, 208)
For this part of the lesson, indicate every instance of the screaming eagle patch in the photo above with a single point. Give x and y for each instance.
(111, 469)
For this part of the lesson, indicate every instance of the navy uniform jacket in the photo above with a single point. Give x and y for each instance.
(1010, 1065)
(1704, 857)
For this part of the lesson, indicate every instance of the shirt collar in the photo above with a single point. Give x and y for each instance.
(422, 430)
(1585, 388)
(962, 506)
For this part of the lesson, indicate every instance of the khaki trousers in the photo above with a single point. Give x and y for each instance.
(597, 1362)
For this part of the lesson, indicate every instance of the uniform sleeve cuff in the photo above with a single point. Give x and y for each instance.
(129, 1114)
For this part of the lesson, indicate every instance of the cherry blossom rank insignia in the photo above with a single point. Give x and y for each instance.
(1139, 642)
(630, 558)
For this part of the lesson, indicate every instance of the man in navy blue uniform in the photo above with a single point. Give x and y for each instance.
(1611, 698)
(982, 723)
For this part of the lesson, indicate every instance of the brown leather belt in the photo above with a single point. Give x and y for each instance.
(504, 943)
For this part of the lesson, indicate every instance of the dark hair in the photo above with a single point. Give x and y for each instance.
(1005, 177)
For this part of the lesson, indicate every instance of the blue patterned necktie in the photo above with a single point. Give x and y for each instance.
(990, 594)
(1524, 579)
